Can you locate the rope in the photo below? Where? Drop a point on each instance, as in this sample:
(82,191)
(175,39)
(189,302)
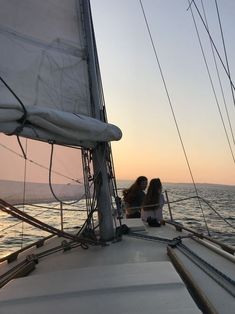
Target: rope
(17,98)
(21,268)
(209,205)
(23,119)
(172,110)
(24,190)
(201,263)
(148,237)
(15,212)
(204,24)
(58,209)
(38,164)
(50,183)
(225,51)
(21,147)
(9,227)
(86,160)
(224,219)
(218,75)
(226,58)
(212,85)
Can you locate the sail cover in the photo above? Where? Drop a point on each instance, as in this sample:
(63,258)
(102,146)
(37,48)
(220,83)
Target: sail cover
(43,59)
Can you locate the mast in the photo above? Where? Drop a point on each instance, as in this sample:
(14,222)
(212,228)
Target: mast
(101,151)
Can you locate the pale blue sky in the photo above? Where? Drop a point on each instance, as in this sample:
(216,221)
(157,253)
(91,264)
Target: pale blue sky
(135,97)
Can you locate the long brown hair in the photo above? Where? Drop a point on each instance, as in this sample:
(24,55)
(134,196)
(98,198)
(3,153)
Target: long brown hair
(153,195)
(130,193)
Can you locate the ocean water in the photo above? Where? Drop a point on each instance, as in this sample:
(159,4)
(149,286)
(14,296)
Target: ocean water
(214,213)
(184,206)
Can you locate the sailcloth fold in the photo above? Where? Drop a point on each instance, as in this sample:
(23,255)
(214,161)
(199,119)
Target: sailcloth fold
(55,125)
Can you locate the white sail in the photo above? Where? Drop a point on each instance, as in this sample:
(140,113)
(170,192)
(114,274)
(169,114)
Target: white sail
(27,181)
(43,59)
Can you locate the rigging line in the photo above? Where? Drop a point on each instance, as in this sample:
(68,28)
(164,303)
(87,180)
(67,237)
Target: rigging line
(224,219)
(50,183)
(212,85)
(95,176)
(21,147)
(172,110)
(87,176)
(17,98)
(24,188)
(217,52)
(90,200)
(56,209)
(89,186)
(190,3)
(225,53)
(6,207)
(11,226)
(40,213)
(208,204)
(218,75)
(36,163)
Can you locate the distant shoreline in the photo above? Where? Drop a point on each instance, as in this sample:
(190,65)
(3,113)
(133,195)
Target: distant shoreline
(184,183)
(15,192)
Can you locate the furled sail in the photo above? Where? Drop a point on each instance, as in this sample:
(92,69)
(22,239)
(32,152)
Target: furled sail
(43,59)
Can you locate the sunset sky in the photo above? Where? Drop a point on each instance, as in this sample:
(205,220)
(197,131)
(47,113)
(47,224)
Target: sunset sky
(137,102)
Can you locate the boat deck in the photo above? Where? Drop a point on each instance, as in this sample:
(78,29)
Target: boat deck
(134,275)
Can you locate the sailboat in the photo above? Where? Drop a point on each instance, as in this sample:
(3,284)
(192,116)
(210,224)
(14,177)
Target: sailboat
(52,98)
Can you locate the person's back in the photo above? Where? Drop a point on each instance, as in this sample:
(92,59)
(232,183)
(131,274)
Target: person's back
(153,204)
(134,196)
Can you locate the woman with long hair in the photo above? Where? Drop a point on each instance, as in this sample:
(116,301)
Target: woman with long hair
(133,197)
(153,203)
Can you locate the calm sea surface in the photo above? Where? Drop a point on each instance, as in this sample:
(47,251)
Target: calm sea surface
(185,208)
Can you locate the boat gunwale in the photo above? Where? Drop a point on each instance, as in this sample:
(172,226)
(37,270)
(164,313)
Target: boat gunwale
(225,247)
(13,256)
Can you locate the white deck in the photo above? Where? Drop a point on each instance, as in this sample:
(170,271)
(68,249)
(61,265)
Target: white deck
(131,276)
(127,288)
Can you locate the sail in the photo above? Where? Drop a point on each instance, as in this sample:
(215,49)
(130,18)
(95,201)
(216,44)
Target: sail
(26,181)
(44,61)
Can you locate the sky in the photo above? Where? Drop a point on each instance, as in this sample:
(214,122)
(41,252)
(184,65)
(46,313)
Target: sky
(137,102)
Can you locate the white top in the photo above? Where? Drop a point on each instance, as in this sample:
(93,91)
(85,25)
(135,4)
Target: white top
(154,213)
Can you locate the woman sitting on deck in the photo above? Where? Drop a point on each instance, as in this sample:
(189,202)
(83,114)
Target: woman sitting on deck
(134,196)
(153,214)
